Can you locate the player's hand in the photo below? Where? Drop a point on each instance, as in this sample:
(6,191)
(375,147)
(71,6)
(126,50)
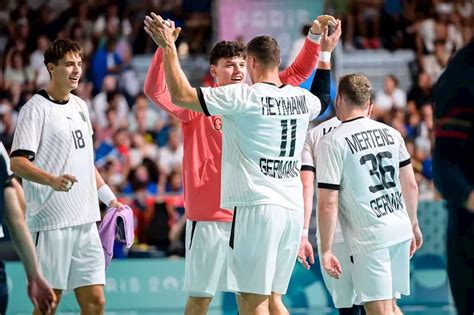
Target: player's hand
(63,182)
(41,294)
(163,32)
(320,22)
(116,204)
(329,42)
(306,252)
(331,265)
(417,240)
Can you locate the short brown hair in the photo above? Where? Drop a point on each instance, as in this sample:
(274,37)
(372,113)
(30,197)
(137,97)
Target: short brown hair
(226,49)
(266,50)
(59,48)
(355,89)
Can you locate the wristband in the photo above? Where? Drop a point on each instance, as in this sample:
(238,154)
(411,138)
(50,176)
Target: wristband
(315,38)
(325,56)
(305,232)
(106,194)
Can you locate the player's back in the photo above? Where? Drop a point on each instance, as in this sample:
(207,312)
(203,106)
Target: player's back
(263,136)
(372,209)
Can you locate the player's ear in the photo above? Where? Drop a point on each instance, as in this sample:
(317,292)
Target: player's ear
(50,67)
(213,71)
(369,110)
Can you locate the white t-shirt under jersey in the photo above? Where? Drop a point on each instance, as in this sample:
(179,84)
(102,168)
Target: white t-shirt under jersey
(362,158)
(57,138)
(4,154)
(264,127)
(308,161)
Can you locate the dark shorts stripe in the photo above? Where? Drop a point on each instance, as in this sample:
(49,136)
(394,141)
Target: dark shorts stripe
(37,238)
(232,229)
(192,233)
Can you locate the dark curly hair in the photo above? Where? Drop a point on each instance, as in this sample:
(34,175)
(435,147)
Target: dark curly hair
(226,49)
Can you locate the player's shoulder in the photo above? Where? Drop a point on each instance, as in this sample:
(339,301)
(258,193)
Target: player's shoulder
(36,102)
(390,129)
(78,100)
(237,86)
(324,127)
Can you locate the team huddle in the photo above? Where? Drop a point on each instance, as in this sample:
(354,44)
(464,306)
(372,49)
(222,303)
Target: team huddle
(248,184)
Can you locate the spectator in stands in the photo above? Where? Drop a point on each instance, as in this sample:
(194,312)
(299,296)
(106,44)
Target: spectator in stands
(171,155)
(41,74)
(104,62)
(343,10)
(438,28)
(143,118)
(7,124)
(109,96)
(420,93)
(17,71)
(434,64)
(143,149)
(162,135)
(391,96)
(368,12)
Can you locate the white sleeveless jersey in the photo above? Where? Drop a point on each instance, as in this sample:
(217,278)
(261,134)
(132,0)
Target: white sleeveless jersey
(308,161)
(264,127)
(362,158)
(57,138)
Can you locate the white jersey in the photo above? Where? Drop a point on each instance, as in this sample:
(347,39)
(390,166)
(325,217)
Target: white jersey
(308,161)
(57,138)
(4,154)
(362,158)
(263,135)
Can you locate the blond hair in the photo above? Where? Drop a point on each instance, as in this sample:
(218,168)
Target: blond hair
(355,89)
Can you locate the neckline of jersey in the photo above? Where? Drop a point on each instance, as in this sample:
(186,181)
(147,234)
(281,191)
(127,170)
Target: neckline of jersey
(352,119)
(270,83)
(45,94)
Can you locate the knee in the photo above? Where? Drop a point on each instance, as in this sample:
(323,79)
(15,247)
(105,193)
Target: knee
(97,302)
(276,306)
(199,303)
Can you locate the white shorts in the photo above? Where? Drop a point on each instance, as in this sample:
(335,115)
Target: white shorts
(342,289)
(383,274)
(207,246)
(263,248)
(71,257)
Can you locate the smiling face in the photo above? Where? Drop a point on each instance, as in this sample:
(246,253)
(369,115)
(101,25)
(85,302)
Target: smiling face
(67,72)
(229,70)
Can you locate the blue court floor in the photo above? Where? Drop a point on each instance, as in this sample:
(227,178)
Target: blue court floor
(408,310)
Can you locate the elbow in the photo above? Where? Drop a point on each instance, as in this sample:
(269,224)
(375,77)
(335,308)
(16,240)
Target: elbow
(15,165)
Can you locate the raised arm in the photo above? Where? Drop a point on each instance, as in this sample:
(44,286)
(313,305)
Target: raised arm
(157,91)
(305,62)
(181,91)
(322,79)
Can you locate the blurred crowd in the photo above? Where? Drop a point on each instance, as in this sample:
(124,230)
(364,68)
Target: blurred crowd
(139,148)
